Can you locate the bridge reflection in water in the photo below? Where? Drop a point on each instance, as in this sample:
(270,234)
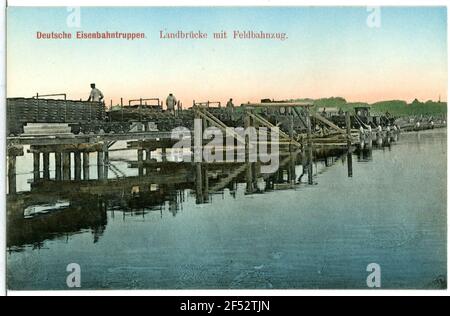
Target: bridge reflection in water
(60,207)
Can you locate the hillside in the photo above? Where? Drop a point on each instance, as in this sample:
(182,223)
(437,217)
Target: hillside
(394,107)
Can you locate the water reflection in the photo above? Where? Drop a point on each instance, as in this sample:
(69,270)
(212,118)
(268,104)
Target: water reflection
(55,209)
(62,217)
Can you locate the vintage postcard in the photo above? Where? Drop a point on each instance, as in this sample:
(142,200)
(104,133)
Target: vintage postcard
(217,147)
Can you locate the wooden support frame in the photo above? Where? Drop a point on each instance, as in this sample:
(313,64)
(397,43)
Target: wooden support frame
(282,134)
(226,181)
(326,122)
(203,113)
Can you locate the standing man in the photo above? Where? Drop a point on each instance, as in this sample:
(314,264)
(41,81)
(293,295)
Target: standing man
(96,95)
(171,101)
(230,105)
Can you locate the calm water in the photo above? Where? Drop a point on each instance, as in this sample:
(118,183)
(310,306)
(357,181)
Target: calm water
(391,212)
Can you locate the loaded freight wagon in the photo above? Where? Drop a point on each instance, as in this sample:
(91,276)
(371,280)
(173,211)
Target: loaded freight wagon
(21,111)
(92,117)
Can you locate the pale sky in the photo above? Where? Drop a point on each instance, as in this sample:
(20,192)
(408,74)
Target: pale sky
(329,52)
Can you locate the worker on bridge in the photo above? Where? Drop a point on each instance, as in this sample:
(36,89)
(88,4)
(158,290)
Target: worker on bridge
(171,102)
(96,95)
(230,105)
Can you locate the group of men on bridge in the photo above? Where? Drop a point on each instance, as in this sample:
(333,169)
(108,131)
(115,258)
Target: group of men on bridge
(171,102)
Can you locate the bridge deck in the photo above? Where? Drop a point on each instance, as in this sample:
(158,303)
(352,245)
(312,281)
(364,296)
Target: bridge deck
(85,139)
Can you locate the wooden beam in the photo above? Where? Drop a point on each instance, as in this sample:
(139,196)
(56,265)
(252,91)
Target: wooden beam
(327,122)
(270,125)
(224,182)
(279,104)
(65,148)
(216,122)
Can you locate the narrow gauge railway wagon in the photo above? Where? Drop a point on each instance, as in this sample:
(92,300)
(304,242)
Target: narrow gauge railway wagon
(362,116)
(21,111)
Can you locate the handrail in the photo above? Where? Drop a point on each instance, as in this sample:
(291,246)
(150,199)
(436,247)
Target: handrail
(278,104)
(142,100)
(37,96)
(207,104)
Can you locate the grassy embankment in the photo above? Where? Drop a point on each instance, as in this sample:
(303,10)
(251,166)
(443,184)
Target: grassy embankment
(394,107)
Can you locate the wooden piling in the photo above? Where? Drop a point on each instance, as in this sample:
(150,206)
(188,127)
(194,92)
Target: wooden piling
(46,160)
(121,106)
(148,155)
(348,125)
(106,159)
(206,184)
(256,169)
(36,166)
(164,154)
(66,166)
(198,139)
(292,173)
(140,158)
(249,171)
(100,160)
(100,164)
(310,166)
(12,182)
(58,166)
(350,164)
(77,159)
(85,165)
(199,183)
(291,131)
(148,158)
(309,149)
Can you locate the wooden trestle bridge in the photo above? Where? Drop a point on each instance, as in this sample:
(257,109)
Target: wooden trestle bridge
(295,124)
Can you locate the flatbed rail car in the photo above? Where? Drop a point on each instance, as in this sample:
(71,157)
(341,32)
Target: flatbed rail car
(90,117)
(362,117)
(21,111)
(84,116)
